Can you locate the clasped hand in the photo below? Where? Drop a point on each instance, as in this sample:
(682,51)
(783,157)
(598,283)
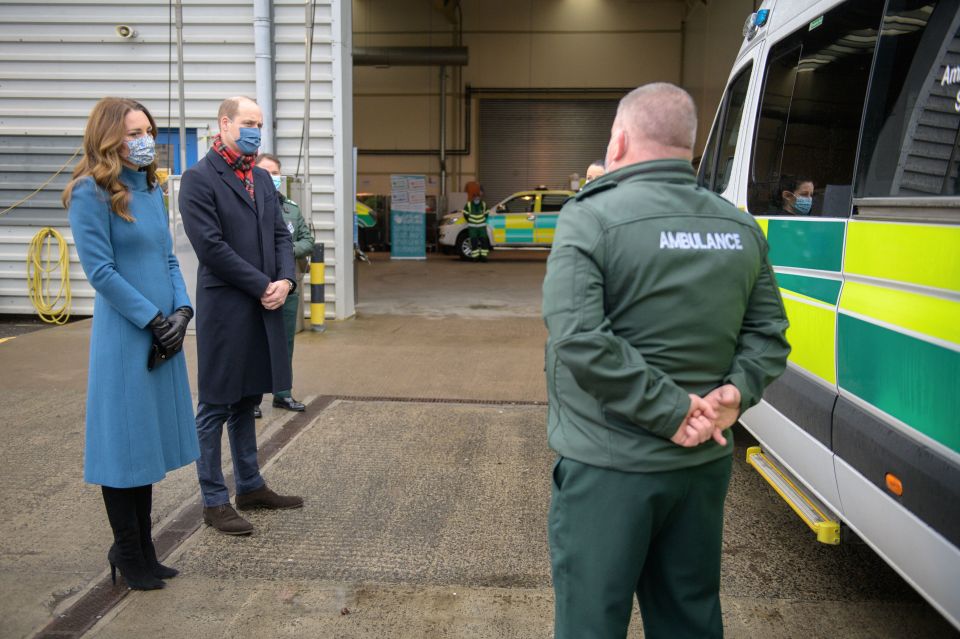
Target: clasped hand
(708,417)
(275,295)
(169,331)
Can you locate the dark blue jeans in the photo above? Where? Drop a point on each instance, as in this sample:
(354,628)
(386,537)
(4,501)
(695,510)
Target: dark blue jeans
(241,431)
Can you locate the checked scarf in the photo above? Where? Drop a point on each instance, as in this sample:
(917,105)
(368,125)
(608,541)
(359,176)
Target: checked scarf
(242,165)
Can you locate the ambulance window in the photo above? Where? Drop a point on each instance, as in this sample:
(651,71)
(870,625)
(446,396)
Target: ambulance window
(910,132)
(708,160)
(731,129)
(716,166)
(552,203)
(518,204)
(810,114)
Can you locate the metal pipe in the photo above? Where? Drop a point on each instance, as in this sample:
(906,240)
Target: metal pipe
(263,56)
(180,90)
(443,139)
(307,204)
(409,56)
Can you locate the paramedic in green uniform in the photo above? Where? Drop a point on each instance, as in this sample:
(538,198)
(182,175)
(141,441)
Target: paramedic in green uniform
(664,322)
(302,248)
(475,214)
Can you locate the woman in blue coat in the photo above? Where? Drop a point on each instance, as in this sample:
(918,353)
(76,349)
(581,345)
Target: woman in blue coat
(140,422)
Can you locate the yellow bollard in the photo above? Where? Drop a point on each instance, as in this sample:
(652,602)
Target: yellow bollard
(317,301)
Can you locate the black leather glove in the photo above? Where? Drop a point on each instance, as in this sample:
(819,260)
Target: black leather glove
(159,326)
(172,339)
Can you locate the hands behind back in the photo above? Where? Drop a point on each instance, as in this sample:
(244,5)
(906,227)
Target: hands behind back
(708,417)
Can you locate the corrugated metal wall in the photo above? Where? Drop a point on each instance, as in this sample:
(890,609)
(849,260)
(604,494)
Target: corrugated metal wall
(529,142)
(58,58)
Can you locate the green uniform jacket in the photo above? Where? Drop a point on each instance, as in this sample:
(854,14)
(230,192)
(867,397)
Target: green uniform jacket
(655,288)
(300,234)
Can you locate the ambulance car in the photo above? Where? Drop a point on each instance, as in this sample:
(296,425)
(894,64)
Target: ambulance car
(525,219)
(839,132)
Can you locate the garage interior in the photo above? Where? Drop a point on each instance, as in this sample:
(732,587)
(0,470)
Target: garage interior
(514,94)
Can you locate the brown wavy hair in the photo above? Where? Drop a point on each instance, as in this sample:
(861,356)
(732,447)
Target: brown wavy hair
(103,139)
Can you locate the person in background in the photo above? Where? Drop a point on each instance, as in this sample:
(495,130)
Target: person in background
(139,421)
(302,248)
(795,195)
(664,322)
(232,216)
(595,170)
(475,213)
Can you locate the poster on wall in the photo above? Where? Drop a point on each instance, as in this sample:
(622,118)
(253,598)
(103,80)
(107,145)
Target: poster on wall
(408,217)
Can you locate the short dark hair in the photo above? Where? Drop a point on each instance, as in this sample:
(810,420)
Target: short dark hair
(229,107)
(269,156)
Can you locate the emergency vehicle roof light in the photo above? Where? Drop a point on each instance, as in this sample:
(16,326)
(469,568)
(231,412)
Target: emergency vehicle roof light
(754,22)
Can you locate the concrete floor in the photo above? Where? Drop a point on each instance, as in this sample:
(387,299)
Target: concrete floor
(423,519)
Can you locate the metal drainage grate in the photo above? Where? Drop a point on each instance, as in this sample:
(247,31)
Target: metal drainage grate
(104,596)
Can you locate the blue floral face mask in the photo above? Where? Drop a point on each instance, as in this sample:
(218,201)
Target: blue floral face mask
(803,204)
(142,150)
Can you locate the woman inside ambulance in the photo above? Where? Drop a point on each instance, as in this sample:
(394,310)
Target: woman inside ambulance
(795,195)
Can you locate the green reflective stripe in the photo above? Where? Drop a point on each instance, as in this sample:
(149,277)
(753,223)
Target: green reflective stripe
(824,290)
(547,221)
(806,244)
(913,380)
(924,254)
(519,235)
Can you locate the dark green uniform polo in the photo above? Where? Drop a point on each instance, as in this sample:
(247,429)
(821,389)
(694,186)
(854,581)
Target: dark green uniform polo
(655,288)
(302,247)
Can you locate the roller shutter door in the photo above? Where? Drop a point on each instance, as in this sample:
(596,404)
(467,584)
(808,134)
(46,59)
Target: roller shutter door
(529,142)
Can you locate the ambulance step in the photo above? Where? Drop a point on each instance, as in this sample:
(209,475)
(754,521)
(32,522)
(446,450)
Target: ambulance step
(812,512)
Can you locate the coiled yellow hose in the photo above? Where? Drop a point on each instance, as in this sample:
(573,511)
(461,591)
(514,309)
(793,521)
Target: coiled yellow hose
(41,268)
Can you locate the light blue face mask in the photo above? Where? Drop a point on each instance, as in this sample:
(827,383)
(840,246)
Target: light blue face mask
(142,150)
(277,181)
(249,140)
(803,204)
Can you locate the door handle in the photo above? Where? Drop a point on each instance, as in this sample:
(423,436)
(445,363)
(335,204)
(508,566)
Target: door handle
(532,217)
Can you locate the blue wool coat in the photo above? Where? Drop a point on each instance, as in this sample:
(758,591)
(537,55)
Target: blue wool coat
(139,423)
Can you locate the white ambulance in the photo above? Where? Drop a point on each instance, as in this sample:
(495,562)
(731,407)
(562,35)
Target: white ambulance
(840,132)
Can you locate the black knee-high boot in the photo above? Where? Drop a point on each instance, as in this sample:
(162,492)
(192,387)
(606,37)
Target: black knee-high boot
(126,553)
(144,500)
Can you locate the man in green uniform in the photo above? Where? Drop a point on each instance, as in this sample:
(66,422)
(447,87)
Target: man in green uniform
(665,322)
(302,247)
(475,214)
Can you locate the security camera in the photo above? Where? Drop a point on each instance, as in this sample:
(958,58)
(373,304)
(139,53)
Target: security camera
(124,31)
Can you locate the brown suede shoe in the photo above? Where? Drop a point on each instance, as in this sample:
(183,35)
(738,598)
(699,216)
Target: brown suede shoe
(225,519)
(266,498)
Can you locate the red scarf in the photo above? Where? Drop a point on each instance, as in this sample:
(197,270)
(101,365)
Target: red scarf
(242,165)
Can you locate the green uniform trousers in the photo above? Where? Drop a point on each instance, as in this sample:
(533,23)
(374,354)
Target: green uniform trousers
(479,241)
(290,316)
(614,533)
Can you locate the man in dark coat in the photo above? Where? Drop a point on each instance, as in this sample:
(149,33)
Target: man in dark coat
(233,219)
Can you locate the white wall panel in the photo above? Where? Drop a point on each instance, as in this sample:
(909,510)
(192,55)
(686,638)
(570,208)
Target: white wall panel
(58,58)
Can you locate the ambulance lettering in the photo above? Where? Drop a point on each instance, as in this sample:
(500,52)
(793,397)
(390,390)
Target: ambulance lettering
(951,75)
(688,240)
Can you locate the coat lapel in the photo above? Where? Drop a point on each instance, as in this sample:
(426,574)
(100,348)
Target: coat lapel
(228,176)
(258,193)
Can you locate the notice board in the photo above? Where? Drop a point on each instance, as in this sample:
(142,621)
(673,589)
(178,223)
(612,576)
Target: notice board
(408,217)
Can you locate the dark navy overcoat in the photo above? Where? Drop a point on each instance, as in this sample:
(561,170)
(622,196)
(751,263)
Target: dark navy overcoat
(242,244)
